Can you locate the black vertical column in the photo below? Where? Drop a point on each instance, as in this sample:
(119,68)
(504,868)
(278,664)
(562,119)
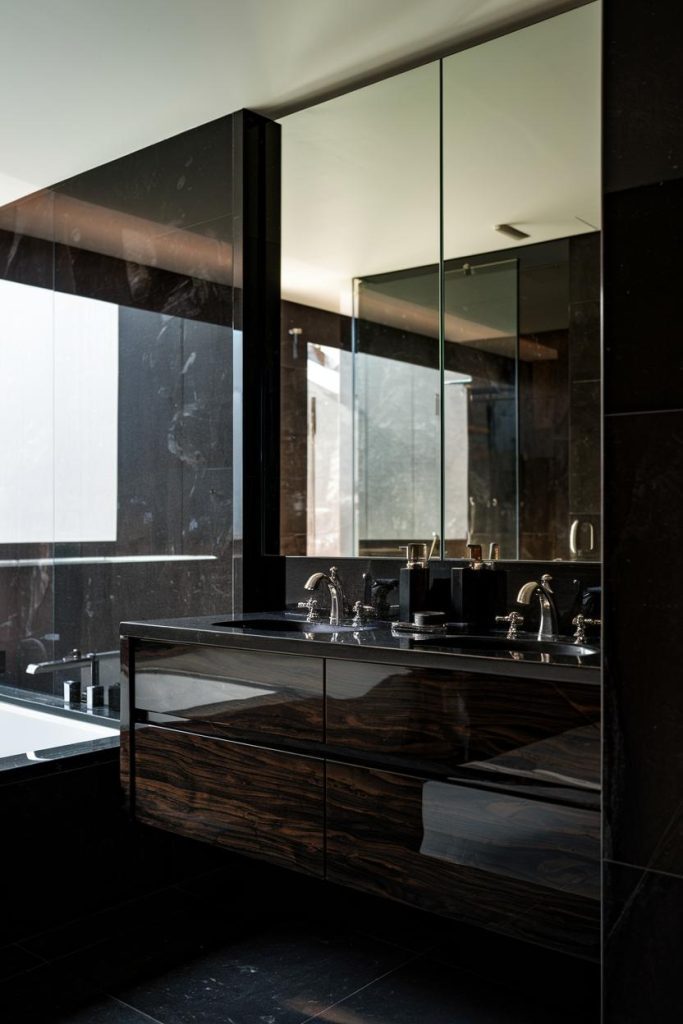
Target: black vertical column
(258,571)
(643,511)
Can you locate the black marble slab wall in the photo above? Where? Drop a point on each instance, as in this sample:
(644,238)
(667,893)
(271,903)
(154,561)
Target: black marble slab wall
(182,240)
(643,474)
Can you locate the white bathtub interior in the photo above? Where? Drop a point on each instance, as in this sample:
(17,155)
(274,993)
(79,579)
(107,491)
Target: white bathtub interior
(25,730)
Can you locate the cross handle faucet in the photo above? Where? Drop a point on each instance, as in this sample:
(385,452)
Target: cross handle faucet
(337,596)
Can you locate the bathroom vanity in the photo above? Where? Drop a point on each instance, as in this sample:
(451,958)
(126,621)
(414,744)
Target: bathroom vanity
(463,782)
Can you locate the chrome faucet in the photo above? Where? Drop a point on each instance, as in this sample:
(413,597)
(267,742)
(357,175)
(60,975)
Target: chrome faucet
(337,595)
(548,628)
(90,661)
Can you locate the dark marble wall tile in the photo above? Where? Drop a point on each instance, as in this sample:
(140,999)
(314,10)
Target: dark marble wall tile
(324,328)
(27,619)
(151,455)
(182,181)
(207,508)
(25,260)
(643,946)
(584,452)
(92,601)
(319,326)
(643,86)
(26,240)
(584,268)
(145,285)
(584,342)
(207,393)
(544,451)
(643,354)
(643,610)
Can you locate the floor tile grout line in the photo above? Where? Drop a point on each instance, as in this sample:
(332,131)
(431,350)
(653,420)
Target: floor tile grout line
(122,1002)
(361,988)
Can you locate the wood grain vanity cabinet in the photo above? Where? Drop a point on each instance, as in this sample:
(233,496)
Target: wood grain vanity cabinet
(461,791)
(242,695)
(202,734)
(253,800)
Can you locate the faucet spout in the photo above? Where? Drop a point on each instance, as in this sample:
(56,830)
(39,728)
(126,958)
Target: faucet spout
(73,660)
(337,595)
(548,627)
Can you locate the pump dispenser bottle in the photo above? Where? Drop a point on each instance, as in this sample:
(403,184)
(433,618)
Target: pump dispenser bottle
(413,582)
(477,590)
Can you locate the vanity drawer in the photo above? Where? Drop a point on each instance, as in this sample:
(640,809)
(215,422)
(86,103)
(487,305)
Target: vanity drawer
(487,858)
(446,721)
(256,801)
(242,695)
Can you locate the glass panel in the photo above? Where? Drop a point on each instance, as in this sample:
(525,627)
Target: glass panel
(360,200)
(480,407)
(27,423)
(328,377)
(398,409)
(521,180)
(115,330)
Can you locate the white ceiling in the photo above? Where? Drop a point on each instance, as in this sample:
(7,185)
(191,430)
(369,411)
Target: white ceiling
(521,146)
(85,81)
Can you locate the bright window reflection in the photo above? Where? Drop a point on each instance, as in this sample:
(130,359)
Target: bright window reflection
(58,417)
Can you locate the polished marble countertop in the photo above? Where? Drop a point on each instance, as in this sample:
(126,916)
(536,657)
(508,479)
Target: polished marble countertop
(375,642)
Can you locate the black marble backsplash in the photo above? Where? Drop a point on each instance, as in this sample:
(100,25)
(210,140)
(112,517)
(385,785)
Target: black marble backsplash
(570,581)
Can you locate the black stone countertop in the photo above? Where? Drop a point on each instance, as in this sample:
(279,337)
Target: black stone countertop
(375,643)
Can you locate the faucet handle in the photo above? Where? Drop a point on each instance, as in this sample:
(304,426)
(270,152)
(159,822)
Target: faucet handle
(360,612)
(514,619)
(580,621)
(312,606)
(546,580)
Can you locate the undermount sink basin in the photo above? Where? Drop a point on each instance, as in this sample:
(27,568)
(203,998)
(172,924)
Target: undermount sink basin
(290,626)
(487,644)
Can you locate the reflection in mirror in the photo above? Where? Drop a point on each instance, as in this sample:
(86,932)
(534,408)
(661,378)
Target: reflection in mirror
(397,403)
(480,406)
(440,348)
(360,188)
(521,168)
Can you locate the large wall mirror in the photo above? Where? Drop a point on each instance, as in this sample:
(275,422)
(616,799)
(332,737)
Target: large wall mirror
(440,314)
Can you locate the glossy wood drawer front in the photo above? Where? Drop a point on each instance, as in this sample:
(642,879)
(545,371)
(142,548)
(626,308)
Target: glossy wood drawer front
(421,719)
(515,865)
(242,695)
(256,801)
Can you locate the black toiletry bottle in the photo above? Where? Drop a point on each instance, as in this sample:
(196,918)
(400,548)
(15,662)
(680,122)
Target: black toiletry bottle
(413,585)
(477,591)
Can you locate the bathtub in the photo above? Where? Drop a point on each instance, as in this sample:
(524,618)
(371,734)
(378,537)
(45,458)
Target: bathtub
(39,734)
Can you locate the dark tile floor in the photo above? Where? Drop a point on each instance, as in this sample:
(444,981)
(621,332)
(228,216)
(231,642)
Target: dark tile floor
(260,946)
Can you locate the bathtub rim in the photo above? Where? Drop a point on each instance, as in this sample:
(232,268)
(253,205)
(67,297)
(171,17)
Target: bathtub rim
(68,757)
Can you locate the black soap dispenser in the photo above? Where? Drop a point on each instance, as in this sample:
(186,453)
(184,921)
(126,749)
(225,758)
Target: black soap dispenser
(477,591)
(413,586)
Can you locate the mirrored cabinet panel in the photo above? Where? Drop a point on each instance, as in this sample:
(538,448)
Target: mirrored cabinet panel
(440,313)
(360,186)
